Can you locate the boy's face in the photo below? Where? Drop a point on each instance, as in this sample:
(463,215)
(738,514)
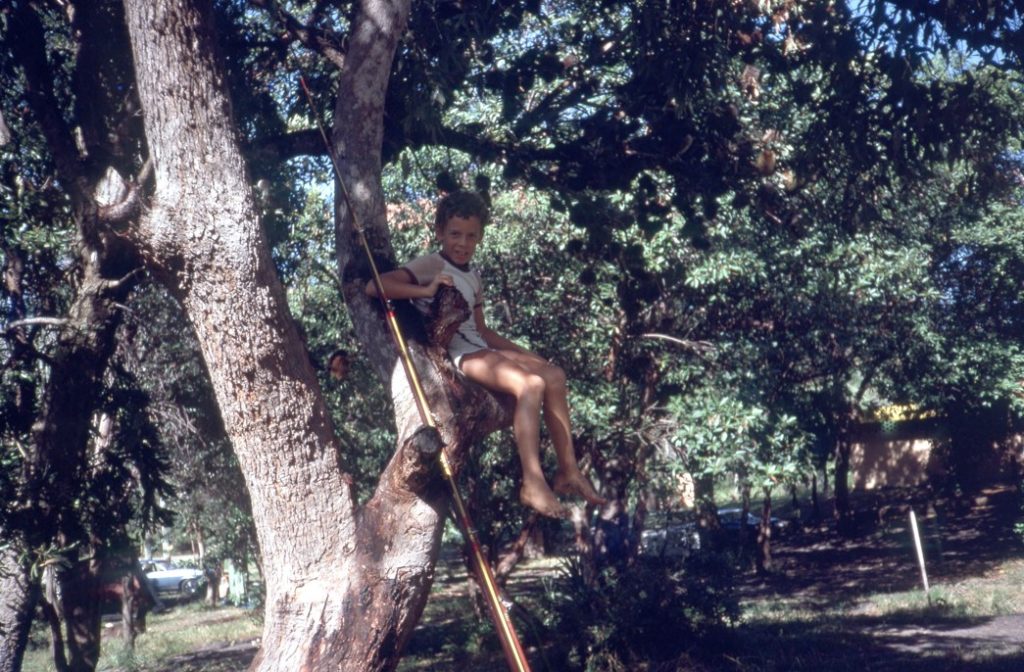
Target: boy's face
(460,237)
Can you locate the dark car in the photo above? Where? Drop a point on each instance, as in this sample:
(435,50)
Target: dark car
(669,535)
(730,518)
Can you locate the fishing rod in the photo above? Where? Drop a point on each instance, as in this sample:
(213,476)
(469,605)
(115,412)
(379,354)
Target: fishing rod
(514,654)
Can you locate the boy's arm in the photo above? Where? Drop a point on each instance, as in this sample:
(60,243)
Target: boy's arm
(400,284)
(492,338)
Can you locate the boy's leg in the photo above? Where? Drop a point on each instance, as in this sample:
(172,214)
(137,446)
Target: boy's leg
(569,480)
(496,372)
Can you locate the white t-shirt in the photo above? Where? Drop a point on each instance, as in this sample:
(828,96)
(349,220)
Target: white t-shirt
(467,280)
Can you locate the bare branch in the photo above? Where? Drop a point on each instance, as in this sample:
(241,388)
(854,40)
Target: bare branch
(699,347)
(29,52)
(30,321)
(114,284)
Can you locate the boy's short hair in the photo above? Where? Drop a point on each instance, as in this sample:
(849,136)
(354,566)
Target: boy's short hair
(461,204)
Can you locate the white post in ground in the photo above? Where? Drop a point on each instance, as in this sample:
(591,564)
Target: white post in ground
(920,551)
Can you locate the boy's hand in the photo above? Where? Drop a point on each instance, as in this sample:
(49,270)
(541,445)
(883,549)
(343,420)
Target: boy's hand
(439,279)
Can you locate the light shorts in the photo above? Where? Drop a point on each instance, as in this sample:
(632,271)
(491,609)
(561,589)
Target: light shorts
(459,348)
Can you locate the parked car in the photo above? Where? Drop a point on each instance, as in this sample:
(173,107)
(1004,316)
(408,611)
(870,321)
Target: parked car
(729,519)
(669,536)
(165,577)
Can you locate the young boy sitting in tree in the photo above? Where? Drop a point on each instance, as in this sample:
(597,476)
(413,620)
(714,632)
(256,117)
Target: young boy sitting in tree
(493,361)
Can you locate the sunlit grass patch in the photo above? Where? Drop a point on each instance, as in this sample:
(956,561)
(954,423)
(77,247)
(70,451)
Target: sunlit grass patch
(1000,592)
(178,631)
(186,629)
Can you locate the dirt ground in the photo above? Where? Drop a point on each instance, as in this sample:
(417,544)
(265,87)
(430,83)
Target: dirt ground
(818,574)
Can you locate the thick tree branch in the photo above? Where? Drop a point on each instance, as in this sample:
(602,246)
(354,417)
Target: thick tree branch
(357,134)
(549,168)
(511,556)
(287,146)
(546,107)
(130,206)
(419,461)
(29,51)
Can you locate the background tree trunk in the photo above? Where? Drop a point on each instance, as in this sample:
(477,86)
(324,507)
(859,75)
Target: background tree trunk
(844,513)
(80,587)
(128,610)
(60,434)
(764,535)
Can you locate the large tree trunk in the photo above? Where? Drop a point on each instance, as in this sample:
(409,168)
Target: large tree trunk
(206,245)
(17,589)
(344,588)
(707,510)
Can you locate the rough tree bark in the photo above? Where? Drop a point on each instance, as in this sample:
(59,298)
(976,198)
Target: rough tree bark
(345,587)
(19,594)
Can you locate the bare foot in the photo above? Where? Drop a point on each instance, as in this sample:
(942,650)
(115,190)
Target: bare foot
(540,498)
(577,485)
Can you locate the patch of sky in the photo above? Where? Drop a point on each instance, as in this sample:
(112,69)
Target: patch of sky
(889,26)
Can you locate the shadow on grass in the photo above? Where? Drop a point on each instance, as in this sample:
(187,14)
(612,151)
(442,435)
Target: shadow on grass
(921,641)
(227,658)
(820,569)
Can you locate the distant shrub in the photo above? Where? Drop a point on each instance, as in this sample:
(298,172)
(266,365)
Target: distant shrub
(640,616)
